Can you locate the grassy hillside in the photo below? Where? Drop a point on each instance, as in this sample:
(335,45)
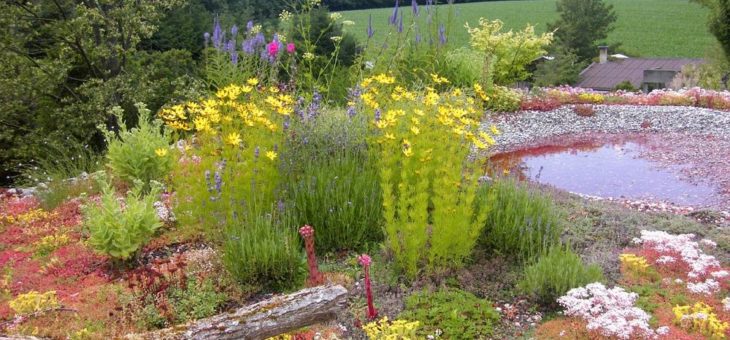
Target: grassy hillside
(649,28)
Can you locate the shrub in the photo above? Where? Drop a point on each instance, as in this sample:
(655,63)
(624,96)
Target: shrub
(521,221)
(262,250)
(625,86)
(557,272)
(141,153)
(232,162)
(503,99)
(120,229)
(457,314)
(340,197)
(429,182)
(584,110)
(463,66)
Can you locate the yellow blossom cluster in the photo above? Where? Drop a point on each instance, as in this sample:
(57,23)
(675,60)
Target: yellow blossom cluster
(50,243)
(700,318)
(593,98)
(633,263)
(239,105)
(34,302)
(28,217)
(411,113)
(391,330)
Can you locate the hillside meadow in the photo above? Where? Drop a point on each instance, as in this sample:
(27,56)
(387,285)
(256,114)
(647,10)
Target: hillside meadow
(647,28)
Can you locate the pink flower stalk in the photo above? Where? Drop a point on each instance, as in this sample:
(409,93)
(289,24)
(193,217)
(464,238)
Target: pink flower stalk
(273,48)
(290,48)
(365,261)
(315,277)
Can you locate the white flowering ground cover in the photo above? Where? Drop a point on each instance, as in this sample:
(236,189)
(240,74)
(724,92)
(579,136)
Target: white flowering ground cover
(671,287)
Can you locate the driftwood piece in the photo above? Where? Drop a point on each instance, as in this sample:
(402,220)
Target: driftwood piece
(264,319)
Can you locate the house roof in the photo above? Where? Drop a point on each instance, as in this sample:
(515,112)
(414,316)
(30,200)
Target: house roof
(607,75)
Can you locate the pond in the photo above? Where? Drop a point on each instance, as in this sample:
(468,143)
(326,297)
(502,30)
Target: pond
(607,167)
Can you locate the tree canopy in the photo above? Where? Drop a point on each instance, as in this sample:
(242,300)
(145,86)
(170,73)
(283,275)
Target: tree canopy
(582,25)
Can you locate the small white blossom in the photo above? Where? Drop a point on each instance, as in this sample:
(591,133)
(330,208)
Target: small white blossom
(726,304)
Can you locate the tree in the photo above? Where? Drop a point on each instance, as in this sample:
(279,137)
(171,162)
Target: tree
(563,69)
(719,22)
(507,54)
(67,62)
(582,24)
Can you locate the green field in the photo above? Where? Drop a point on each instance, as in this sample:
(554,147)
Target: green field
(648,28)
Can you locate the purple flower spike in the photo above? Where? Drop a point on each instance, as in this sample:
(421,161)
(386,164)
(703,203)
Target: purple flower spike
(371,31)
(394,17)
(234,31)
(206,38)
(442,34)
(414,7)
(217,34)
(400,23)
(249,26)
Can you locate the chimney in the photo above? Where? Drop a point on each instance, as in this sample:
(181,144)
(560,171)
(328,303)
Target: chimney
(602,54)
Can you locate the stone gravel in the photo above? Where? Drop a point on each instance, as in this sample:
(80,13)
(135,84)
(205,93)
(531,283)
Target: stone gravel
(527,126)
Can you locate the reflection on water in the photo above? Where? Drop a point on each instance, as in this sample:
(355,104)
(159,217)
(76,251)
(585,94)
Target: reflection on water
(604,169)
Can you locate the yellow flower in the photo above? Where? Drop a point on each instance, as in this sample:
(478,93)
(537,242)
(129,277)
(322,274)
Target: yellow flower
(494,130)
(415,130)
(161,152)
(271,155)
(252,81)
(233,139)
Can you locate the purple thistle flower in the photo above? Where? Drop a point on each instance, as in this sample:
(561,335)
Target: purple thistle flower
(234,31)
(394,17)
(371,31)
(249,26)
(442,34)
(414,7)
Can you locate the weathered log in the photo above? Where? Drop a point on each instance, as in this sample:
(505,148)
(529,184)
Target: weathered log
(278,315)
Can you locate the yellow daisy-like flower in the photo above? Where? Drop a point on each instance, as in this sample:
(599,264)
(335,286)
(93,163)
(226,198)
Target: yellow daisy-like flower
(252,81)
(271,155)
(233,138)
(161,152)
(415,130)
(494,130)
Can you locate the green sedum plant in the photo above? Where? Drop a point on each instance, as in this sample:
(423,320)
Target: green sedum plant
(119,228)
(456,313)
(555,273)
(140,153)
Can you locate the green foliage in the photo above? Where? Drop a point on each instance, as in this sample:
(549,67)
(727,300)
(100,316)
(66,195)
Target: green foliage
(60,75)
(625,85)
(564,69)
(555,273)
(583,24)
(340,197)
(521,221)
(463,66)
(325,51)
(195,299)
(120,229)
(332,185)
(262,250)
(507,54)
(140,153)
(503,99)
(432,212)
(458,314)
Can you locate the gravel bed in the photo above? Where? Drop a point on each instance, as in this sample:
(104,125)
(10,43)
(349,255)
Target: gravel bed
(527,126)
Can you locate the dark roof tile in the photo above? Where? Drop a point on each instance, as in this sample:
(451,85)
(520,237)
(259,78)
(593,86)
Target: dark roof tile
(608,75)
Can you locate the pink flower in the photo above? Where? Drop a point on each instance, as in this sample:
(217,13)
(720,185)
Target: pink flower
(364,260)
(273,48)
(306,230)
(290,48)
